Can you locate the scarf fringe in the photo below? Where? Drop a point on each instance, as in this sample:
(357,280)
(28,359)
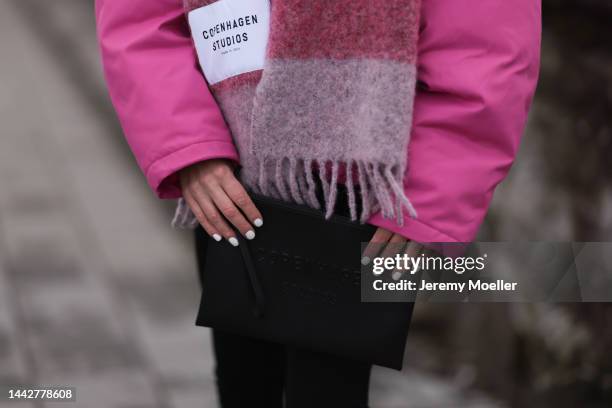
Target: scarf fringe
(293,180)
(183,217)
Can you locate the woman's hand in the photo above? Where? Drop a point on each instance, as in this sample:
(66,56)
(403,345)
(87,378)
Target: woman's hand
(385,243)
(216,197)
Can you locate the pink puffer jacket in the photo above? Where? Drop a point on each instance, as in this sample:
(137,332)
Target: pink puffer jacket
(477,71)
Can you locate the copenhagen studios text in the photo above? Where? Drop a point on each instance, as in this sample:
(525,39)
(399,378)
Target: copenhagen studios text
(229,25)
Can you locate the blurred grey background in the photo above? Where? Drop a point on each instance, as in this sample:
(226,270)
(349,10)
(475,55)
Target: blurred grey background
(98,292)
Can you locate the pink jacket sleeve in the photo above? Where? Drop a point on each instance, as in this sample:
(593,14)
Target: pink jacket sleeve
(168,115)
(478,68)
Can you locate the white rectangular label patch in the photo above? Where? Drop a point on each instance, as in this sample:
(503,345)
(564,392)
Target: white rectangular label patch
(230,37)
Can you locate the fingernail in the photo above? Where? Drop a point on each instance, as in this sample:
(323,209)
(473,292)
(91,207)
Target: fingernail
(217,237)
(396,275)
(250,234)
(233,241)
(365,260)
(258,222)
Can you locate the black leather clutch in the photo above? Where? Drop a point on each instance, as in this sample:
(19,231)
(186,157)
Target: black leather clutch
(298,283)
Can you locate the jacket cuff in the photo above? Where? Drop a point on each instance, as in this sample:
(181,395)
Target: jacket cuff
(162,174)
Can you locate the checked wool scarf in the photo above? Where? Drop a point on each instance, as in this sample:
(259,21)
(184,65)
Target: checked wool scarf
(333,101)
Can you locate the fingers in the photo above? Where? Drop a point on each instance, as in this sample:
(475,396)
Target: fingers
(412,249)
(377,242)
(214,217)
(236,192)
(201,217)
(229,210)
(386,244)
(395,245)
(217,219)
(219,201)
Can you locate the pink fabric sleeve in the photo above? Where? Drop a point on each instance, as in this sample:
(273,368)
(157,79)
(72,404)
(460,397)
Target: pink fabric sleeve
(477,71)
(168,115)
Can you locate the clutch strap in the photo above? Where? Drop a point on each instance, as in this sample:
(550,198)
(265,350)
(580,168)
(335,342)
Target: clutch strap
(258,294)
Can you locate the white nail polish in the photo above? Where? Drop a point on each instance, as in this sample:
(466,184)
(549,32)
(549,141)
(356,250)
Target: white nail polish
(217,237)
(258,222)
(365,260)
(250,234)
(233,241)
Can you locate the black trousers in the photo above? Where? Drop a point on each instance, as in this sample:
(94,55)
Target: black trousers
(255,373)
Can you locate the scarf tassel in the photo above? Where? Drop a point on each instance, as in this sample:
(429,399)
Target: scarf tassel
(293,180)
(379,186)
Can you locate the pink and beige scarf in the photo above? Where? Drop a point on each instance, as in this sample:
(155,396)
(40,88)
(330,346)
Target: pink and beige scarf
(334,100)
